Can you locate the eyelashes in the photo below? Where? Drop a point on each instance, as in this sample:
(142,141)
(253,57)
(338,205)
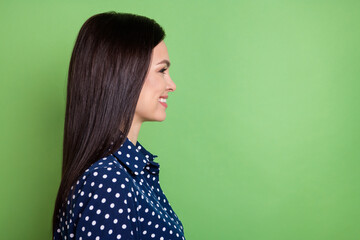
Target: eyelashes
(163,70)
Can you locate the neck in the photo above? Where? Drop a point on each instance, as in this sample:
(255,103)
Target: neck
(134,131)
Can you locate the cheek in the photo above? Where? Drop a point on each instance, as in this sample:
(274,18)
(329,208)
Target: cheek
(154,87)
(149,96)
(148,106)
(156,84)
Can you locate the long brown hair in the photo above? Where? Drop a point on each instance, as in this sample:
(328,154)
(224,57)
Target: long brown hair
(108,66)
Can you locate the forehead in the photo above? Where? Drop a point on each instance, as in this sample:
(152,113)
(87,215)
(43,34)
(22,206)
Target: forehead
(160,52)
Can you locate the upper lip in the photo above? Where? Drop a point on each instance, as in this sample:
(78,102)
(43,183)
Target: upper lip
(163,97)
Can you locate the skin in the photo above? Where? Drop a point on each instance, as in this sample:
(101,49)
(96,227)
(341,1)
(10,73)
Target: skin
(157,83)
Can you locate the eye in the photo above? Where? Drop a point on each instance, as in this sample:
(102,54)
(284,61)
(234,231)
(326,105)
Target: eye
(163,70)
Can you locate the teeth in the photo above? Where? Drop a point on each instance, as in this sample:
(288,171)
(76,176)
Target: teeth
(162,100)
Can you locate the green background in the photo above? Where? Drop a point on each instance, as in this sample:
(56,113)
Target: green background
(262,136)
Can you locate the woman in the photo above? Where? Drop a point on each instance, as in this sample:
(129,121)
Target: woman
(118,79)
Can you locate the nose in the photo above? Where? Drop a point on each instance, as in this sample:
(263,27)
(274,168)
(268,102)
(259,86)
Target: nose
(171,86)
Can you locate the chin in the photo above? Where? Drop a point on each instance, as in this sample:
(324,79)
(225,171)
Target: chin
(158,118)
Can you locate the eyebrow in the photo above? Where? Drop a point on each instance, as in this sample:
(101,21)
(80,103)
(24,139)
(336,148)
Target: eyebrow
(164,61)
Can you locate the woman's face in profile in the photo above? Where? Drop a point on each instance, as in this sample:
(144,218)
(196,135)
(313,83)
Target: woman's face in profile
(152,104)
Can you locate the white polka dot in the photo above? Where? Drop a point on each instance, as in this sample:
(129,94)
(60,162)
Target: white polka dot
(110,231)
(107,216)
(124,226)
(104,176)
(89,234)
(113,180)
(93,223)
(102,227)
(95,174)
(120,211)
(118,236)
(117,195)
(108,190)
(122,185)
(153,235)
(127,155)
(98,211)
(112,205)
(103,200)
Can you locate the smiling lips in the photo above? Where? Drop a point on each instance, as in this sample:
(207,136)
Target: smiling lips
(162,100)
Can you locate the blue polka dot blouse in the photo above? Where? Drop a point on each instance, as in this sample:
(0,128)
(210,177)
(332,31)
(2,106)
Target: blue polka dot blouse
(119,197)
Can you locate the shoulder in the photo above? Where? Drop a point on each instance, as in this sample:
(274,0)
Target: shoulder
(108,165)
(105,177)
